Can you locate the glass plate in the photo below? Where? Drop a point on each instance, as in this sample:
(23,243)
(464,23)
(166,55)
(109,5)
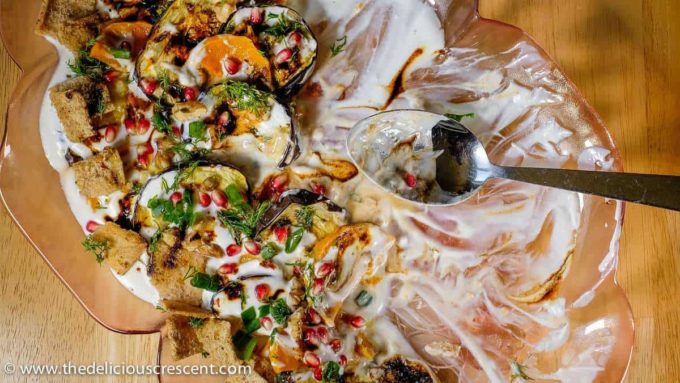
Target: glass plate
(598,309)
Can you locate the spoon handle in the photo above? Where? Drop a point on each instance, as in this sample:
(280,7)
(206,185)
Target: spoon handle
(647,189)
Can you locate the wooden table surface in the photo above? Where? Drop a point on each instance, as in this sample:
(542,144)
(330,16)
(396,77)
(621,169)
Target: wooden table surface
(624,55)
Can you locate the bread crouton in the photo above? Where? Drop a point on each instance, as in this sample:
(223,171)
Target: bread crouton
(124,246)
(72,22)
(170,266)
(80,103)
(100,175)
(181,308)
(182,337)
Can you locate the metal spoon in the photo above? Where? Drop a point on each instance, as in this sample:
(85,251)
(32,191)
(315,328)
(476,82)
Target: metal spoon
(454,164)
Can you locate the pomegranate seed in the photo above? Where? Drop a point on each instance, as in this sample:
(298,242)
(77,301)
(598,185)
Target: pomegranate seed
(284,55)
(281,233)
(312,360)
(356,321)
(279,183)
(310,337)
(190,94)
(110,76)
(410,180)
(336,345)
(256,15)
(177,131)
(145,148)
(224,119)
(228,268)
(324,336)
(297,271)
(149,86)
(342,361)
(233,249)
(252,247)
(266,323)
(111,133)
(144,159)
(130,125)
(318,374)
(318,188)
(233,65)
(176,197)
(294,39)
(219,197)
(319,285)
(325,269)
(91,226)
(262,291)
(204,199)
(143,125)
(313,316)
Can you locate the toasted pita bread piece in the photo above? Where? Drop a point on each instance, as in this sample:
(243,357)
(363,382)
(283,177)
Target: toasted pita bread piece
(100,175)
(72,22)
(125,246)
(80,104)
(182,337)
(170,266)
(184,309)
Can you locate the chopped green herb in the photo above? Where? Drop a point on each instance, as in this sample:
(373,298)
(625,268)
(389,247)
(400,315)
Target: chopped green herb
(245,344)
(197,130)
(280,311)
(164,185)
(243,96)
(294,239)
(331,372)
(283,26)
(363,299)
(86,65)
(205,281)
(180,213)
(160,308)
(136,188)
(196,322)
(459,117)
(264,311)
(339,46)
(101,105)
(96,247)
(241,218)
(518,373)
(269,251)
(153,241)
(305,217)
(120,53)
(205,354)
(161,123)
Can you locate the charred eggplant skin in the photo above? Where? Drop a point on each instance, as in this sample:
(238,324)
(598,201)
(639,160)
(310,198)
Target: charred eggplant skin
(293,84)
(294,196)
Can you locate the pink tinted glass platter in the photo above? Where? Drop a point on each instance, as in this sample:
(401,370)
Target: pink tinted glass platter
(478,49)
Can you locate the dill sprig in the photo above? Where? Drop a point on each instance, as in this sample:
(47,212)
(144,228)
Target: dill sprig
(243,96)
(86,65)
(96,247)
(241,218)
(338,46)
(283,26)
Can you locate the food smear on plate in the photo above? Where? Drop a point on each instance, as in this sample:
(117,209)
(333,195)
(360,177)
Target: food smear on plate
(206,165)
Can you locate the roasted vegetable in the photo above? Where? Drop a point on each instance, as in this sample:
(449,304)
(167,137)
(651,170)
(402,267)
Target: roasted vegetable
(284,37)
(119,44)
(185,24)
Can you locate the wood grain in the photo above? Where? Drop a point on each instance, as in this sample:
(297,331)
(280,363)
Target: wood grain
(623,56)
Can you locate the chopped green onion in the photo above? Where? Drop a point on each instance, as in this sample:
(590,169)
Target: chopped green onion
(363,299)
(294,240)
(205,281)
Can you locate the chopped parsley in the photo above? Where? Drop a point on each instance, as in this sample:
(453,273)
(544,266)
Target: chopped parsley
(339,46)
(331,372)
(243,96)
(196,322)
(161,123)
(518,373)
(96,247)
(180,213)
(86,65)
(269,251)
(280,311)
(459,117)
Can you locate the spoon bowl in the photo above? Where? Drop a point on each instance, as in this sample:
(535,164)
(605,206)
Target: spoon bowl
(432,159)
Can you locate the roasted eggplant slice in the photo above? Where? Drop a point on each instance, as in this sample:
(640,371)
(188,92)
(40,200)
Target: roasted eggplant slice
(285,38)
(185,24)
(293,205)
(249,127)
(187,197)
